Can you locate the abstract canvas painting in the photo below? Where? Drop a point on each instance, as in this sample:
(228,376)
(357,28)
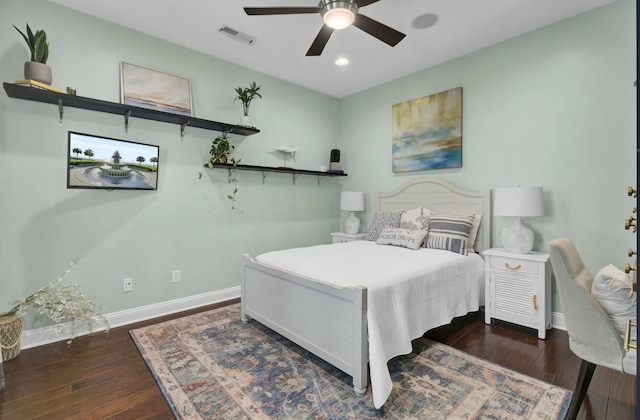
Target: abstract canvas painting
(152,89)
(427,132)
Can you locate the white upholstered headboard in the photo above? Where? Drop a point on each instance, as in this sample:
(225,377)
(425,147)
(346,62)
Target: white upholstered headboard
(443,197)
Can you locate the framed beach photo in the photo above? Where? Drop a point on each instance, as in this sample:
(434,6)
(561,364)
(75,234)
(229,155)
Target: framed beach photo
(146,88)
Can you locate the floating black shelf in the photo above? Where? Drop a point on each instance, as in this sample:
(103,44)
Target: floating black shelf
(267,169)
(63,99)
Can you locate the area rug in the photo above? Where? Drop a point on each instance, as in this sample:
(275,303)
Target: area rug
(210,365)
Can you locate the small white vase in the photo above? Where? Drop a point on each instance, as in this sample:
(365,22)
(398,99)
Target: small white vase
(246,122)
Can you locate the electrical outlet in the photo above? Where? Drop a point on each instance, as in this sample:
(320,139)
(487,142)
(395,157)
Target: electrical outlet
(127,284)
(175,276)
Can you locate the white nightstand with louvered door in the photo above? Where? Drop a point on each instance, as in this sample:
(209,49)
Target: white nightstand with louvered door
(518,288)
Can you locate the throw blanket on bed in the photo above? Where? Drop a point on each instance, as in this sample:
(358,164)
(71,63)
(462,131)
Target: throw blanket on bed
(408,291)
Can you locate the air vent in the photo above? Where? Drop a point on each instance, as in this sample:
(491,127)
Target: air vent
(237,35)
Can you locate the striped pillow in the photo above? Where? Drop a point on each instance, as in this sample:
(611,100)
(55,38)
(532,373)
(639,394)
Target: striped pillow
(449,232)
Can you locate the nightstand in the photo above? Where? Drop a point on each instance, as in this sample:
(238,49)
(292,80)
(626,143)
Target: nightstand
(338,237)
(518,288)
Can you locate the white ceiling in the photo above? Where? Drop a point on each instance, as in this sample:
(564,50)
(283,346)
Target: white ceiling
(282,41)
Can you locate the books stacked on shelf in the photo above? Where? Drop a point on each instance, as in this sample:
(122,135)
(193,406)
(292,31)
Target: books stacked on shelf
(36,84)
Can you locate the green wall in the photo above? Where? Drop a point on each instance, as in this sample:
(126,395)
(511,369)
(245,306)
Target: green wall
(552,108)
(187,224)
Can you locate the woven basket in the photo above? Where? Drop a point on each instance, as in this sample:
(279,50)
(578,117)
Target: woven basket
(10,332)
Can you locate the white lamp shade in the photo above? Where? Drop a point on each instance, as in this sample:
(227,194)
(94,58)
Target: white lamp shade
(352,201)
(518,201)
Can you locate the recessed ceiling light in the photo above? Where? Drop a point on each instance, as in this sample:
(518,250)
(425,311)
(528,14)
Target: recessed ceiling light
(425,21)
(342,61)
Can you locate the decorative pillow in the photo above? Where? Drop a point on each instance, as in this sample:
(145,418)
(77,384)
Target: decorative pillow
(449,232)
(416,211)
(382,220)
(474,232)
(414,221)
(612,288)
(406,238)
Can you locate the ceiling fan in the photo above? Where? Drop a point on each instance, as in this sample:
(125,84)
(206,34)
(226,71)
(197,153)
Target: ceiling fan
(336,15)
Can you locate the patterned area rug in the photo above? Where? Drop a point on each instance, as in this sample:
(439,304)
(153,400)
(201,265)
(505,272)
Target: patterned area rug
(211,365)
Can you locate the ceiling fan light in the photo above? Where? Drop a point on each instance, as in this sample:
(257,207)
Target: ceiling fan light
(338,14)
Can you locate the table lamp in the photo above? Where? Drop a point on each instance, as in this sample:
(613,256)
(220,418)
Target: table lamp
(351,201)
(518,202)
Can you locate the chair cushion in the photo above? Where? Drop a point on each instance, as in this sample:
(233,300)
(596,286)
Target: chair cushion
(612,288)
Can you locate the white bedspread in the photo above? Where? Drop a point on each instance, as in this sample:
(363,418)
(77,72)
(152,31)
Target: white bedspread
(408,292)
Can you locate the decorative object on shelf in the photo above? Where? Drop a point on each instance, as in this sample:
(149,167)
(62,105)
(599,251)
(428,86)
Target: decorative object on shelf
(286,151)
(246,95)
(153,89)
(427,132)
(518,202)
(37,68)
(334,160)
(35,84)
(351,201)
(59,303)
(220,149)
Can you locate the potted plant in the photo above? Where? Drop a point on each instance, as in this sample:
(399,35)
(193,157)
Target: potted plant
(56,301)
(220,150)
(334,160)
(221,153)
(246,95)
(37,68)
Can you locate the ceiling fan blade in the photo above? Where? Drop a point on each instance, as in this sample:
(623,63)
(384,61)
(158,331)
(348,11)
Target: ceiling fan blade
(362,3)
(252,11)
(376,29)
(321,40)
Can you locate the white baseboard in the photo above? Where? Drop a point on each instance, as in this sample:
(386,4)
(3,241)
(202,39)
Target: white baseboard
(47,335)
(557,321)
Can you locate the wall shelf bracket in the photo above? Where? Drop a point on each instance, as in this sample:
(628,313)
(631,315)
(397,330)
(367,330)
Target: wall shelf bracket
(126,121)
(264,176)
(182,127)
(60,109)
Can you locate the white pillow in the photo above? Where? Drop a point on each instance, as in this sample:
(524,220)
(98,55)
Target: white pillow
(406,238)
(414,221)
(417,211)
(612,288)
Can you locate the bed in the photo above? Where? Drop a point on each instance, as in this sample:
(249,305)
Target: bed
(324,299)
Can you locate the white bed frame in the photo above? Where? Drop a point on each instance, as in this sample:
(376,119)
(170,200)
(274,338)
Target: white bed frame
(331,321)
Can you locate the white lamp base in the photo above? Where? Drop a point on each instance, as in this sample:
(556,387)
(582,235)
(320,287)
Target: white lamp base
(517,238)
(351,224)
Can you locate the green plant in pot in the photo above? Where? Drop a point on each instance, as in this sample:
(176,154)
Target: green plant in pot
(37,69)
(246,95)
(334,160)
(220,152)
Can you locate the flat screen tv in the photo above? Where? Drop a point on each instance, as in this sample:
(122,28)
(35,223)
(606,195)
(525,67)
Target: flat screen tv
(97,162)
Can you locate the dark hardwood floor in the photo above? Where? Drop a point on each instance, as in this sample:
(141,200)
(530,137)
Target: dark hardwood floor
(106,378)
